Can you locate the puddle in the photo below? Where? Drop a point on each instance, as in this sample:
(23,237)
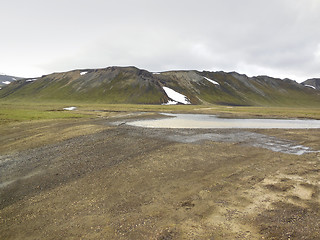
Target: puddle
(246,138)
(187,122)
(212,121)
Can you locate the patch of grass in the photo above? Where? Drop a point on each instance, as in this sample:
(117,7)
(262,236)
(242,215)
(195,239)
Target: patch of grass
(28,112)
(31,110)
(272,112)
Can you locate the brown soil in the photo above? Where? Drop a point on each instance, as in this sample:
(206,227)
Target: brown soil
(87,179)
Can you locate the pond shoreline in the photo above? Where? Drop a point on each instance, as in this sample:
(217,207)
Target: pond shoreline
(213,121)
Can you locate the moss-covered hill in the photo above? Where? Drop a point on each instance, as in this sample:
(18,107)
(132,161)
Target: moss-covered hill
(133,85)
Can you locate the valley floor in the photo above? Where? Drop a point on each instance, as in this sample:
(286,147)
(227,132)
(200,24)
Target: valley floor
(90,179)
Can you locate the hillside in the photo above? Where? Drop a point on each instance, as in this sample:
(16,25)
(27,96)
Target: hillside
(133,85)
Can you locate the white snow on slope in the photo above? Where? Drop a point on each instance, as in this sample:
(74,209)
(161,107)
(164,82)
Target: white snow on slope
(70,108)
(156,73)
(214,82)
(31,80)
(175,96)
(83,73)
(14,79)
(310,86)
(170,102)
(6,82)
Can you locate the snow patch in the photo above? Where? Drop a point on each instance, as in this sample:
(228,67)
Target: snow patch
(170,103)
(14,79)
(83,73)
(175,96)
(6,82)
(212,81)
(156,73)
(310,86)
(70,108)
(31,80)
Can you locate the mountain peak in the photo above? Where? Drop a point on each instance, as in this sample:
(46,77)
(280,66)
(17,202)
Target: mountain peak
(313,83)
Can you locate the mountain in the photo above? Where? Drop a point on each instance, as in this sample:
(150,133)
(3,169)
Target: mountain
(312,83)
(133,85)
(5,79)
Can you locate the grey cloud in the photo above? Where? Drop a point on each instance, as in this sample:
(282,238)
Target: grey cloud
(276,36)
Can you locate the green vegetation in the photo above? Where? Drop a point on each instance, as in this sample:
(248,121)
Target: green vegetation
(117,91)
(27,111)
(17,112)
(265,112)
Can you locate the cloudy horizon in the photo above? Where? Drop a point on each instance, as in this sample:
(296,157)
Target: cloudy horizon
(279,38)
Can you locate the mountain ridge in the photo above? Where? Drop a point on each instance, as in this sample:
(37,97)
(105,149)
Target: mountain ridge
(133,85)
(7,79)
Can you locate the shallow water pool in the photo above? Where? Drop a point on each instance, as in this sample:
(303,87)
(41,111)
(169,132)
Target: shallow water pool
(212,121)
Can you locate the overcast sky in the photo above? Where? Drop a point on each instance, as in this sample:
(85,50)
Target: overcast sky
(279,38)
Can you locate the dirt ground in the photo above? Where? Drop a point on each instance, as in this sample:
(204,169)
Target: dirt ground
(89,179)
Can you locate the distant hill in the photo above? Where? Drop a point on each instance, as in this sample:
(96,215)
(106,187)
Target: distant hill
(133,85)
(313,83)
(5,79)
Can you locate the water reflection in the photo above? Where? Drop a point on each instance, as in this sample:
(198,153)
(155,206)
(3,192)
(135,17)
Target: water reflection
(211,121)
(187,122)
(246,138)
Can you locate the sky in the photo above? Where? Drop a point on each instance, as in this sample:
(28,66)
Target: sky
(279,38)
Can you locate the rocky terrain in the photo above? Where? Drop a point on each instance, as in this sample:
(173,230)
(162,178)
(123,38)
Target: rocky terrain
(5,80)
(101,179)
(313,83)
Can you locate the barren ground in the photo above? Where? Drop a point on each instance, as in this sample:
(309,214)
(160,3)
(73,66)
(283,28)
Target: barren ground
(87,179)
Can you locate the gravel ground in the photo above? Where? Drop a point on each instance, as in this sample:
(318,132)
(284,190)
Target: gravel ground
(89,179)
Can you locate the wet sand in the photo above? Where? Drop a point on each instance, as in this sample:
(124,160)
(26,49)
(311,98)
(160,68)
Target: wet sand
(90,179)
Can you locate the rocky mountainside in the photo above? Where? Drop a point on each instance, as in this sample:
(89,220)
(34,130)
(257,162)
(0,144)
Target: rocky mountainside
(133,85)
(5,79)
(312,83)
